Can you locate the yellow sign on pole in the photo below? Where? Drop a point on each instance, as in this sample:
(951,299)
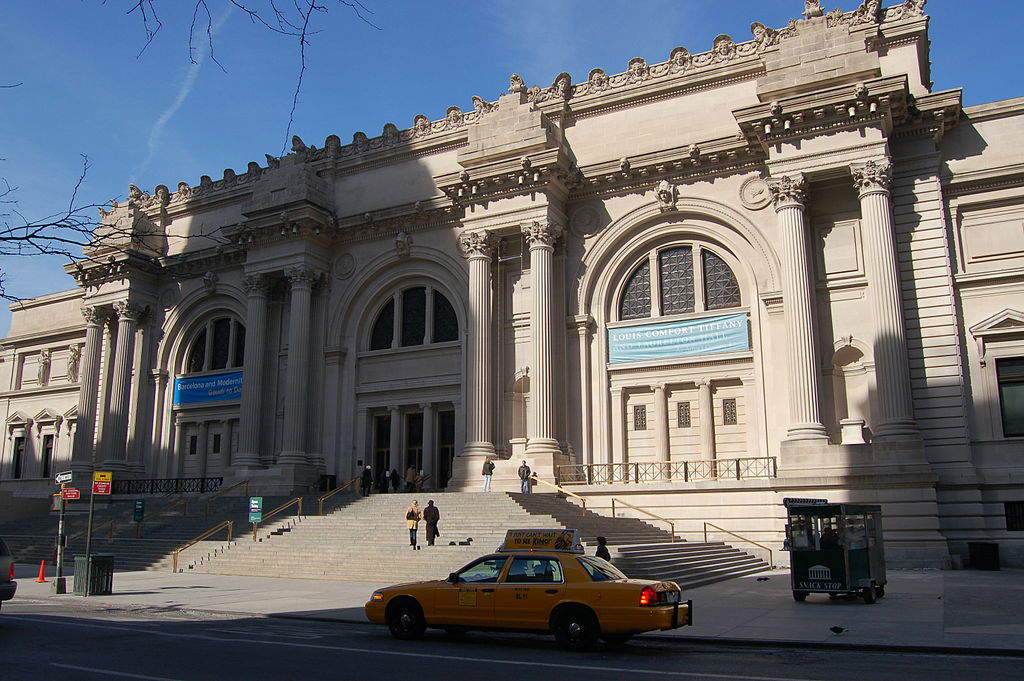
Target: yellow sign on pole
(542,540)
(102,476)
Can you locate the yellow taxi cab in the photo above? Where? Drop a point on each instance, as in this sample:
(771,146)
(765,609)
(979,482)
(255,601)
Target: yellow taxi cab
(541,581)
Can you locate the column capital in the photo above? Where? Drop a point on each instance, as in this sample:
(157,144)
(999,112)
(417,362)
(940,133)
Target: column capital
(256,284)
(703,382)
(874,176)
(94,315)
(583,323)
(477,244)
(541,233)
(425,406)
(788,190)
(659,387)
(129,311)
(301,276)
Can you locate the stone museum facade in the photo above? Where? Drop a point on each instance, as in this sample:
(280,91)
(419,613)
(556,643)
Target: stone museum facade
(779,267)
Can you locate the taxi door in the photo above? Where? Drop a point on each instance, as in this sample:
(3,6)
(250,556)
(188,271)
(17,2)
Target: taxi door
(529,591)
(469,602)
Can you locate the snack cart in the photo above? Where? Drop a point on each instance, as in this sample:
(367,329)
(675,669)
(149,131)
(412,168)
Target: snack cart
(835,549)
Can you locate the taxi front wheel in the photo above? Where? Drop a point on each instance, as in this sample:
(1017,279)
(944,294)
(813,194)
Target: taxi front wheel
(576,629)
(405,620)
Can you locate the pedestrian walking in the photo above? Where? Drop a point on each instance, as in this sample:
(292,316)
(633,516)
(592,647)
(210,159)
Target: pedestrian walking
(602,549)
(524,478)
(488,472)
(410,478)
(396,482)
(382,480)
(430,516)
(366,481)
(412,521)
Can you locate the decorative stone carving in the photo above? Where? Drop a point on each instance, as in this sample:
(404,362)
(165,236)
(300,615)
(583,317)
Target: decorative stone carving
(344,266)
(724,48)
(680,59)
(453,117)
(129,310)
(516,84)
(637,70)
(788,189)
(210,280)
(390,136)
(585,221)
(169,298)
(869,12)
(666,195)
(403,244)
(359,142)
(184,192)
(298,146)
(482,106)
(74,362)
(421,124)
(477,243)
(301,275)
(755,193)
(43,368)
(256,284)
(93,314)
(764,37)
(272,161)
(598,80)
(813,8)
(539,234)
(872,176)
(562,87)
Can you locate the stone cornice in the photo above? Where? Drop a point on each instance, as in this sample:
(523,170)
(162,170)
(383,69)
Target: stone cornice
(988,179)
(932,115)
(410,218)
(117,265)
(548,170)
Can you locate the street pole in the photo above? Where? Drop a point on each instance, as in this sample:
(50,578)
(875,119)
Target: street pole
(88,542)
(59,586)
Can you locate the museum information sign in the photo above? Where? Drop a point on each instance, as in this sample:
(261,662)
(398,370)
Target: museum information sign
(709,335)
(208,388)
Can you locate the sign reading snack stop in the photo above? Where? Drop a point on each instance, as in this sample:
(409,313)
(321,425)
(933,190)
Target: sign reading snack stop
(542,540)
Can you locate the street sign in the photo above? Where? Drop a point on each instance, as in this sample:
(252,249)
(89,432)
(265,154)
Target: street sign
(64,477)
(101,487)
(139,510)
(102,476)
(70,494)
(255,509)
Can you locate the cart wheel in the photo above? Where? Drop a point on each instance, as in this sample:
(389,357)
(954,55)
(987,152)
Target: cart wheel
(880,591)
(799,596)
(869,595)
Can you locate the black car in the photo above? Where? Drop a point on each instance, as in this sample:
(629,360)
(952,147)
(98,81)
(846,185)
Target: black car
(7,584)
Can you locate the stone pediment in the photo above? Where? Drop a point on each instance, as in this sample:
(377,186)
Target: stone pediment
(1002,324)
(47,416)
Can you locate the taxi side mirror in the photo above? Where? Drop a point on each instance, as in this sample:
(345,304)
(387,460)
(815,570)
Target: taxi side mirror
(453,578)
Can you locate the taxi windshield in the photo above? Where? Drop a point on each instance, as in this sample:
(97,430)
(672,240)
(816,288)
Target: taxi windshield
(599,569)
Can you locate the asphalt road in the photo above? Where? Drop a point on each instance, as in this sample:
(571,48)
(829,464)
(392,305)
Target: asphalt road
(44,640)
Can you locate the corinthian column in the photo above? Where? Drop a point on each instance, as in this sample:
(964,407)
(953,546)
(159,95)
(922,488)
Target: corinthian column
(661,440)
(894,406)
(478,248)
(128,315)
(256,289)
(706,416)
(293,450)
(541,237)
(788,192)
(82,452)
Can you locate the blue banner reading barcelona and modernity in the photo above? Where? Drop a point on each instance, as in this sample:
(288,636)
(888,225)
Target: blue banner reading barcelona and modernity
(730,333)
(208,388)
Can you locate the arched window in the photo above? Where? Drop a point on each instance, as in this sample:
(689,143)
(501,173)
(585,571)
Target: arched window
(424,316)
(219,344)
(683,287)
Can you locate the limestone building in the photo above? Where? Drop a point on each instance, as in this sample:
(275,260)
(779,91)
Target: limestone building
(781,267)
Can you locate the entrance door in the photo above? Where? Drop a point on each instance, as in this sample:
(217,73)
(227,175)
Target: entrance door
(381,443)
(445,446)
(414,440)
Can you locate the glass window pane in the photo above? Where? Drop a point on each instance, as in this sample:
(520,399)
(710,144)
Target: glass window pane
(446,324)
(721,289)
(239,345)
(383,328)
(676,265)
(599,569)
(197,353)
(636,297)
(484,570)
(221,343)
(535,570)
(414,316)
(1011,395)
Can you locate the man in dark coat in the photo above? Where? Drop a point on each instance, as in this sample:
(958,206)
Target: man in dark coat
(431,515)
(366,481)
(524,478)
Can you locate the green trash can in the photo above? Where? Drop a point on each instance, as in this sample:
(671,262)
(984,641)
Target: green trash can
(96,582)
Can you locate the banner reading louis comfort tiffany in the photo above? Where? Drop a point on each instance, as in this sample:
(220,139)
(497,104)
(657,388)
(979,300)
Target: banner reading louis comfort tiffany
(728,333)
(208,388)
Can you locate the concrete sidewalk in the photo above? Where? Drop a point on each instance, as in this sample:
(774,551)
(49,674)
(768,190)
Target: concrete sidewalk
(931,609)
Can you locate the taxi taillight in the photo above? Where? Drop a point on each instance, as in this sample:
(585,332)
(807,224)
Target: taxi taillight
(10,577)
(648,596)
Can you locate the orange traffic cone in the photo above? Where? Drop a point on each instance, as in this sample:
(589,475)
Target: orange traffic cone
(42,573)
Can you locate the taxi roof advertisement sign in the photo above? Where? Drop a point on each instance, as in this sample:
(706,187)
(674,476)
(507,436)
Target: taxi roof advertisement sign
(542,540)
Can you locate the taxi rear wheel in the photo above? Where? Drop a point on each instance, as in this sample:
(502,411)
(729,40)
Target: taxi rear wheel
(405,620)
(576,629)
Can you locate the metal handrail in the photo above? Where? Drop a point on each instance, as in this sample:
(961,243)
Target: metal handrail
(671,524)
(174,556)
(758,467)
(225,491)
(733,534)
(110,533)
(268,516)
(324,497)
(163,509)
(561,489)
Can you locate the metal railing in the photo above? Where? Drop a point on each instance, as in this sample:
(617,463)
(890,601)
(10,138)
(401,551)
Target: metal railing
(167,486)
(221,493)
(271,514)
(174,556)
(672,525)
(324,497)
(564,491)
(675,471)
(95,530)
(733,534)
(164,509)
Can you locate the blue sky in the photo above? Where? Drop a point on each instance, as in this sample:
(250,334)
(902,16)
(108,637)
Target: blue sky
(157,119)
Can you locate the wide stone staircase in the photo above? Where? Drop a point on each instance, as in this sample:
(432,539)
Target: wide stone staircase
(32,540)
(367,540)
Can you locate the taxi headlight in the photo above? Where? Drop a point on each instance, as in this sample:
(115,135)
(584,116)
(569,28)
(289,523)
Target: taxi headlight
(377,596)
